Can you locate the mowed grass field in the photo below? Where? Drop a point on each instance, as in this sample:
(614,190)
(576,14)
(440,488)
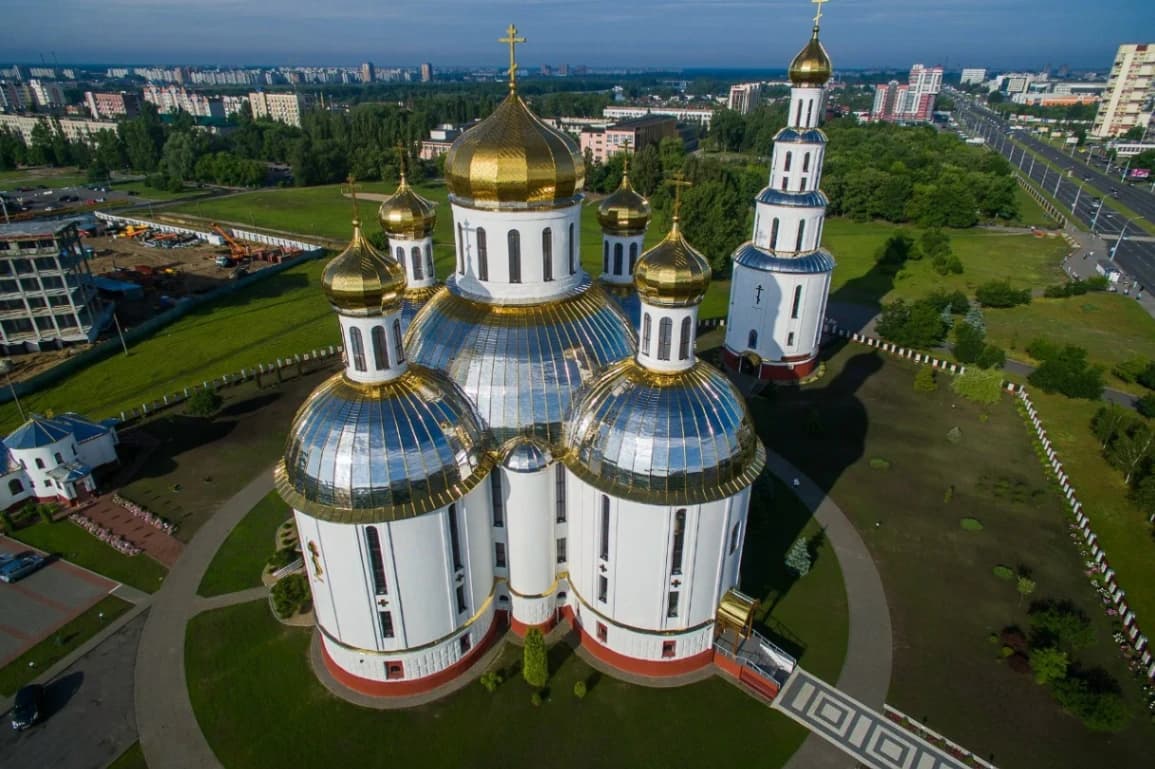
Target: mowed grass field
(883,452)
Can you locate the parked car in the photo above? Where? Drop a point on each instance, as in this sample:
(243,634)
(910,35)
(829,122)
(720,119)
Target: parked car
(28,707)
(20,566)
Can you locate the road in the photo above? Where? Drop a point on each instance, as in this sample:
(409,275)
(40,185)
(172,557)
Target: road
(1080,188)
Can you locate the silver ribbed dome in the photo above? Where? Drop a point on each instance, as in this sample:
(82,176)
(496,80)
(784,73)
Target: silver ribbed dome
(664,439)
(627,299)
(812,263)
(525,455)
(370,453)
(412,301)
(801,136)
(521,365)
(811,199)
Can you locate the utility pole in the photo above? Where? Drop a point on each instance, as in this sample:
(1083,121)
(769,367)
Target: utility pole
(1075,205)
(120,333)
(1119,240)
(1031,173)
(1057,185)
(1095,219)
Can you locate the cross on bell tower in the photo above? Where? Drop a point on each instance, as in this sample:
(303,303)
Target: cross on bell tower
(512,39)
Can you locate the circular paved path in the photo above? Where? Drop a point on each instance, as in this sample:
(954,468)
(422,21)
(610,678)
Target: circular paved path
(171,737)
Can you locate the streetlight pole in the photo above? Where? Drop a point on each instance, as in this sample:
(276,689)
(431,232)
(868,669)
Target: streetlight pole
(1030,173)
(1095,218)
(1057,181)
(1119,240)
(1123,177)
(1075,205)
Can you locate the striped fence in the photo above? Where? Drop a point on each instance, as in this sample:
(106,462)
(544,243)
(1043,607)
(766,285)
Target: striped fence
(1045,204)
(1132,642)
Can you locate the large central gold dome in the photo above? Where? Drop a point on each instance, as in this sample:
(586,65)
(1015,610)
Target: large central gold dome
(514,160)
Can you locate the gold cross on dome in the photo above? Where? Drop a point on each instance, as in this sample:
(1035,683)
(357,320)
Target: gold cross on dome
(512,39)
(402,155)
(626,158)
(350,189)
(818,14)
(678,183)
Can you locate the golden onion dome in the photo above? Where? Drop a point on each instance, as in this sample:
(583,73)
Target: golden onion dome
(513,160)
(624,212)
(407,215)
(672,273)
(361,280)
(812,64)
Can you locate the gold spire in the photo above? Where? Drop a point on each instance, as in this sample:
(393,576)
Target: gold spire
(350,189)
(512,39)
(405,214)
(812,67)
(673,273)
(361,280)
(624,212)
(678,182)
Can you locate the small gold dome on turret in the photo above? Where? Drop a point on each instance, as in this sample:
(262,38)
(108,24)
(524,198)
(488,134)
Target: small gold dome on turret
(672,273)
(407,215)
(812,64)
(624,211)
(362,280)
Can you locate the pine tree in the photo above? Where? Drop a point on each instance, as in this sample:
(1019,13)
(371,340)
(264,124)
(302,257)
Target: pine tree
(798,559)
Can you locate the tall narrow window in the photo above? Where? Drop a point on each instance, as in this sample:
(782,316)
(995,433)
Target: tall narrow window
(499,554)
(514,240)
(418,264)
(386,624)
(454,538)
(617,259)
(561,550)
(774,226)
(376,562)
(398,341)
(462,606)
(734,538)
(460,250)
(752,339)
(482,255)
(495,491)
(646,334)
(665,330)
(684,340)
(603,588)
(798,115)
(797,302)
(672,605)
(806,162)
(604,545)
(803,183)
(465,643)
(559,491)
(429,258)
(380,349)
(790,339)
(606,257)
(679,542)
(801,235)
(789,159)
(547,254)
(357,348)
(633,257)
(400,256)
(570,243)
(785,183)
(809,111)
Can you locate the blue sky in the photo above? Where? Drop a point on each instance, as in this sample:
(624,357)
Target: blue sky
(692,33)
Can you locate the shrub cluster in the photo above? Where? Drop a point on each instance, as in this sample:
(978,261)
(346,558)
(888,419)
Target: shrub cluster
(998,293)
(1075,287)
(291,595)
(1065,370)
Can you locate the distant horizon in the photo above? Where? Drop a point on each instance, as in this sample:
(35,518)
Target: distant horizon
(731,34)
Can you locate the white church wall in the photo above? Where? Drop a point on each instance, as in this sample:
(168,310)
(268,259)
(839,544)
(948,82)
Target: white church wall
(97,451)
(619,257)
(799,163)
(770,312)
(784,238)
(805,107)
(402,250)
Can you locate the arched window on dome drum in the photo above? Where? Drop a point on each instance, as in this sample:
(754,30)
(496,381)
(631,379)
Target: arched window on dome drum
(684,340)
(460,250)
(514,239)
(752,339)
(376,563)
(617,258)
(797,302)
(429,258)
(454,543)
(665,330)
(604,545)
(418,265)
(679,542)
(785,183)
(400,256)
(787,162)
(774,233)
(482,255)
(357,348)
(380,349)
(806,162)
(798,117)
(801,234)
(646,334)
(547,254)
(398,341)
(572,263)
(809,110)
(633,257)
(606,257)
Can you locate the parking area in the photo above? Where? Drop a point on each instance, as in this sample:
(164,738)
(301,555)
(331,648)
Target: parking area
(34,607)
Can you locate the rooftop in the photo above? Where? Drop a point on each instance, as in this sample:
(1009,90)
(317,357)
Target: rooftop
(32,229)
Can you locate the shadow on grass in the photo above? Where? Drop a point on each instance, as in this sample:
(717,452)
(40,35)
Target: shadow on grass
(177,435)
(249,405)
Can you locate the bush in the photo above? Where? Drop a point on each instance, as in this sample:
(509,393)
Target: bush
(979,385)
(1146,405)
(1131,369)
(925,380)
(1098,705)
(535,663)
(1070,374)
(290,595)
(282,558)
(878,463)
(1003,572)
(971,524)
(897,249)
(948,265)
(956,300)
(490,680)
(535,699)
(580,690)
(916,324)
(998,293)
(992,357)
(1049,664)
(1019,663)
(798,559)
(1075,288)
(203,403)
(1013,637)
(1060,624)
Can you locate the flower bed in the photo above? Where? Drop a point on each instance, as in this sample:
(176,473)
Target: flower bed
(146,515)
(115,541)
(952,749)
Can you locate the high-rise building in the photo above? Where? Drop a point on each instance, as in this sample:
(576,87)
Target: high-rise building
(426,72)
(112,105)
(282,107)
(46,95)
(781,276)
(912,101)
(1127,103)
(174,98)
(744,97)
(368,72)
(973,76)
(636,134)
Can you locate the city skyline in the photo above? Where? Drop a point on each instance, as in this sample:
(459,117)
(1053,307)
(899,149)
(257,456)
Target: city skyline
(677,33)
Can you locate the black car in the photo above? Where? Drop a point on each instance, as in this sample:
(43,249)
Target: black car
(28,707)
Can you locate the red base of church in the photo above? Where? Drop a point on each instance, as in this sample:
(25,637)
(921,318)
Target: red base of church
(652,668)
(789,370)
(519,628)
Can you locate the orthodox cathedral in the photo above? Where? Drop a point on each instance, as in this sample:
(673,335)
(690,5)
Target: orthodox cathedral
(524,444)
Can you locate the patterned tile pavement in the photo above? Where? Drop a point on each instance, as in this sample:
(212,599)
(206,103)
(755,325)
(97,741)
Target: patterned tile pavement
(865,734)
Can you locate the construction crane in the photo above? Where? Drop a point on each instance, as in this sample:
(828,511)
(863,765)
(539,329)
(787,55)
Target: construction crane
(236,250)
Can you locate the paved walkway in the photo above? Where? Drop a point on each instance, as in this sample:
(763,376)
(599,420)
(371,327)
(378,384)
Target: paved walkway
(161,547)
(863,733)
(169,733)
(229,599)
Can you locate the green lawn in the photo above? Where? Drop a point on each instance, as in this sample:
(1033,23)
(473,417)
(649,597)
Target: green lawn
(57,646)
(1031,213)
(944,599)
(238,564)
(73,543)
(132,758)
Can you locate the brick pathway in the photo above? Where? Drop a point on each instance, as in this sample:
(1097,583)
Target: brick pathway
(162,547)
